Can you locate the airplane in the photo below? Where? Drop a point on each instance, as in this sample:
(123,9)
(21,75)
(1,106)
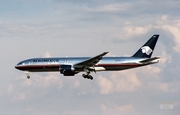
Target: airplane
(69,66)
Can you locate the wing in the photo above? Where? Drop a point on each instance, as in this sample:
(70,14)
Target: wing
(90,62)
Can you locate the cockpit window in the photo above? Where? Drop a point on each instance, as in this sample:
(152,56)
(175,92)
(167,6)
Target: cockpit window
(20,63)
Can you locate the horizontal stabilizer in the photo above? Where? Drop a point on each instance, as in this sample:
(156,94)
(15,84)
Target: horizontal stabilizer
(149,60)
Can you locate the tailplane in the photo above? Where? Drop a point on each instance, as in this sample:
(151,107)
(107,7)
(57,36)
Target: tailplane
(147,49)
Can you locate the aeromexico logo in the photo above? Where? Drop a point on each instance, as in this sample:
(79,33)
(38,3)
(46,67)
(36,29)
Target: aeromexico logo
(146,49)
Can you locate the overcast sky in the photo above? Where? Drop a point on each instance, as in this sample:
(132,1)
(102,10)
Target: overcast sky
(56,28)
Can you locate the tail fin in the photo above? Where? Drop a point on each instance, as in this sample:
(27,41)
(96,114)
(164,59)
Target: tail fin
(147,49)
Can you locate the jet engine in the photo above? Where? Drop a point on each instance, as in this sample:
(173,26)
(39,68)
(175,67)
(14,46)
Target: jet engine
(67,70)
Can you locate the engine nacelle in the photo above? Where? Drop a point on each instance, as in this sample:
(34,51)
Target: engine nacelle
(67,70)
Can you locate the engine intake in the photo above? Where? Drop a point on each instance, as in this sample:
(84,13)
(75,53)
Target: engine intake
(67,70)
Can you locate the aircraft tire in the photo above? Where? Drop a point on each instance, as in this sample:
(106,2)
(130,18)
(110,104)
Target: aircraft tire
(28,77)
(85,76)
(90,77)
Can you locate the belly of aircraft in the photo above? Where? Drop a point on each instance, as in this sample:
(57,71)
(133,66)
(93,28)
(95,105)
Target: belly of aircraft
(40,68)
(53,68)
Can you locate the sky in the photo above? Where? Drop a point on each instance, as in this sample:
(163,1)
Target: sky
(57,28)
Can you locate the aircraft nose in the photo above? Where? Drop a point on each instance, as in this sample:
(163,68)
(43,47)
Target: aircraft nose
(17,67)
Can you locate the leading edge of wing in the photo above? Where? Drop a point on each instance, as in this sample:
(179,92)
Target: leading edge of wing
(90,62)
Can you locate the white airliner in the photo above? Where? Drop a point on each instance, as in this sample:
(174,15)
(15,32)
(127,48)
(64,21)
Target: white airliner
(69,66)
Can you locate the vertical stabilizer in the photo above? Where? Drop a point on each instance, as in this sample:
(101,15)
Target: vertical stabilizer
(147,49)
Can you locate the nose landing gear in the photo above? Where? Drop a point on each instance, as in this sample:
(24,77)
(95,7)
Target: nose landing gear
(28,76)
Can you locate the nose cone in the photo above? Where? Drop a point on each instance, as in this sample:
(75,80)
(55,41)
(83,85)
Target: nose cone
(20,67)
(17,67)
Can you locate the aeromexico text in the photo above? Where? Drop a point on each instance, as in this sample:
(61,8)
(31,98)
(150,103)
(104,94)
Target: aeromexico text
(46,60)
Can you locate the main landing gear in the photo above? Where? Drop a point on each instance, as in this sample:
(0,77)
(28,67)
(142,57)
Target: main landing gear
(87,75)
(28,76)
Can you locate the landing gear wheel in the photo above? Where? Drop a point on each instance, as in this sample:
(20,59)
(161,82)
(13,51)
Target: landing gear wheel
(87,76)
(28,77)
(91,78)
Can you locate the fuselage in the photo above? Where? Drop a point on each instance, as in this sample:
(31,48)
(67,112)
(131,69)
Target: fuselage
(53,64)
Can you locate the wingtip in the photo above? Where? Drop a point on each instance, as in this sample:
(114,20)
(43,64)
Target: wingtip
(156,35)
